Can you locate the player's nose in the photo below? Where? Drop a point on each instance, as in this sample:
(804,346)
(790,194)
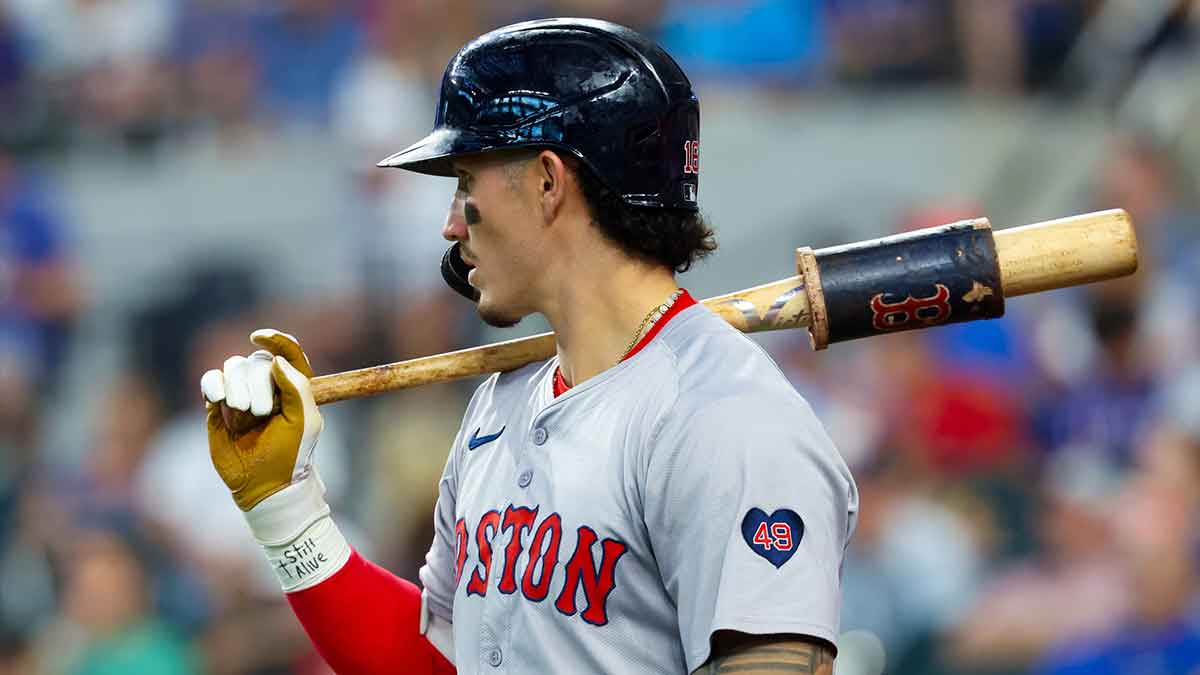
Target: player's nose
(455,228)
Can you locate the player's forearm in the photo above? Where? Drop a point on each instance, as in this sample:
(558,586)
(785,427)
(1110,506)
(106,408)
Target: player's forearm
(767,654)
(361,618)
(365,620)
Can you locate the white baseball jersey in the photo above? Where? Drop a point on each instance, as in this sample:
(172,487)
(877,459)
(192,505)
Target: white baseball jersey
(614,528)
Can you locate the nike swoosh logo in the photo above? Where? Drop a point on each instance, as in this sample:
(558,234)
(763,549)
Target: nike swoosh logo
(476,440)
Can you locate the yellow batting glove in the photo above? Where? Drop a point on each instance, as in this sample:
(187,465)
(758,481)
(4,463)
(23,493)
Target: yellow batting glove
(258,462)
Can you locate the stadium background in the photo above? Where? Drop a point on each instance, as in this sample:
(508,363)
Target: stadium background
(175,173)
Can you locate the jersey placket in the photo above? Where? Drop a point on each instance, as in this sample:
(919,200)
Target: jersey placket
(500,609)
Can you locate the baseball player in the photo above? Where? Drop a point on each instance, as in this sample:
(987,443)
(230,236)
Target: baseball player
(656,498)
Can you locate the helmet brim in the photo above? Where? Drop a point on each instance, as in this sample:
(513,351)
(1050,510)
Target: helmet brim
(434,155)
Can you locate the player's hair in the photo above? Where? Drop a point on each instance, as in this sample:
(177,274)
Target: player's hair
(673,238)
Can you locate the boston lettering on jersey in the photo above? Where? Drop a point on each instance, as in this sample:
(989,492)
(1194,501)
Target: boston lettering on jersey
(581,571)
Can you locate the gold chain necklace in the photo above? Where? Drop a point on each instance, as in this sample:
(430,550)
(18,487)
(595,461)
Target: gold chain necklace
(651,318)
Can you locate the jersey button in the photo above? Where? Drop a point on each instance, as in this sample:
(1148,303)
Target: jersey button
(525,478)
(495,657)
(540,435)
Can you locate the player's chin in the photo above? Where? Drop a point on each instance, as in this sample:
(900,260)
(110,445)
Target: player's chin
(496,314)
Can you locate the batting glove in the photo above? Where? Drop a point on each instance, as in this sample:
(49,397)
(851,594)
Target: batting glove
(267,461)
(262,460)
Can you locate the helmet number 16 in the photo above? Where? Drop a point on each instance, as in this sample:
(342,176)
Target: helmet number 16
(691,156)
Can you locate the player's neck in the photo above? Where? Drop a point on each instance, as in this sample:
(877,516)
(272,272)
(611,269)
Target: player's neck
(598,310)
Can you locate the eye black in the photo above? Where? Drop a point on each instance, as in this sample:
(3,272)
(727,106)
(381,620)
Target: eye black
(471,214)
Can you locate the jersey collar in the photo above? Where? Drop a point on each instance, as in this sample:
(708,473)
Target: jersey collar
(684,301)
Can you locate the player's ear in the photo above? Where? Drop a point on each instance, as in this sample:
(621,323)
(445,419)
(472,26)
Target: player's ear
(551,173)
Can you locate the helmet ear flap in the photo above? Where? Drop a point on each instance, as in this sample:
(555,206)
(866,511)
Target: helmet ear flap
(454,271)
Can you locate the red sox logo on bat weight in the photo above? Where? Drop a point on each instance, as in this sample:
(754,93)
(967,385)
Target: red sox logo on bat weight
(927,311)
(581,570)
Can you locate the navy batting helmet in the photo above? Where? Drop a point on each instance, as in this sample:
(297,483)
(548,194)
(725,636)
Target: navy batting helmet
(600,91)
(597,90)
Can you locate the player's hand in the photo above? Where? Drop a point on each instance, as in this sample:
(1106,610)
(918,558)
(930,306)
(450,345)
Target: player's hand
(261,460)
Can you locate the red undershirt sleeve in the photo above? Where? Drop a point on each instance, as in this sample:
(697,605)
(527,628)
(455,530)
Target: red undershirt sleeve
(365,620)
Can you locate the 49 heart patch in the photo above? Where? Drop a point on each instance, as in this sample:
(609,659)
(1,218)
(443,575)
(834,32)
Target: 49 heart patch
(774,537)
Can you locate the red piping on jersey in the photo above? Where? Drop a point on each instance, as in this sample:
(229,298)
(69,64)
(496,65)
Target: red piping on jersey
(684,301)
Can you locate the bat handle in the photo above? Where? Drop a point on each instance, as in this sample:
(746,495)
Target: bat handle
(1066,252)
(457,365)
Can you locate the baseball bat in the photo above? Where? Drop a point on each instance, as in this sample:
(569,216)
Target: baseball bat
(956,272)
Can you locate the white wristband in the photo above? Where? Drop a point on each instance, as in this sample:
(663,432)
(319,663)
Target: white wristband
(302,542)
(283,516)
(313,557)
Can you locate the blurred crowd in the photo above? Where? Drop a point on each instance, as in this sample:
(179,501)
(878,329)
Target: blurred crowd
(1030,486)
(138,72)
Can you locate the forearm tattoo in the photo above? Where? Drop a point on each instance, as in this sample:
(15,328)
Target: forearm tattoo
(753,654)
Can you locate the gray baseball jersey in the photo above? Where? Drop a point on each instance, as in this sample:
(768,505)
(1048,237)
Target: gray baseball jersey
(614,528)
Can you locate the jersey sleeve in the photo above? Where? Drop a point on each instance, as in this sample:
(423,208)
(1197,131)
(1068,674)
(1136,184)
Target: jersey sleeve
(749,508)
